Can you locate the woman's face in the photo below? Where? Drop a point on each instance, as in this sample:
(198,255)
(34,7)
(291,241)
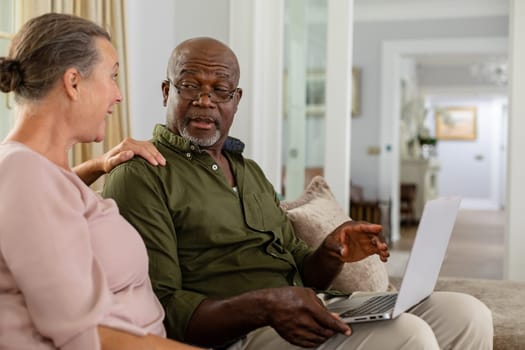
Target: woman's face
(99,94)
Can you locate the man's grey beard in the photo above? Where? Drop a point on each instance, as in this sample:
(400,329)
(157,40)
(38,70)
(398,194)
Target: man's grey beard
(206,142)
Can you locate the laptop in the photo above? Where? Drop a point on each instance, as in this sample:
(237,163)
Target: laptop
(421,272)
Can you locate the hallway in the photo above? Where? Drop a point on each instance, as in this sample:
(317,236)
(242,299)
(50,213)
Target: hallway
(475,249)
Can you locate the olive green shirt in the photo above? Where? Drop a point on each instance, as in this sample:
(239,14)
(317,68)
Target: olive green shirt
(205,239)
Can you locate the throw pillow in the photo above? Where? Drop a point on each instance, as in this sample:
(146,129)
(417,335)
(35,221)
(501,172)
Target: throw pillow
(314,215)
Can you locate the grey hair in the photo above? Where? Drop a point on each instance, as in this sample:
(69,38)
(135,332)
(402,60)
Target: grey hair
(44,48)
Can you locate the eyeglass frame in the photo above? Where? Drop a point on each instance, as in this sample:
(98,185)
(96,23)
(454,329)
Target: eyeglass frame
(199,94)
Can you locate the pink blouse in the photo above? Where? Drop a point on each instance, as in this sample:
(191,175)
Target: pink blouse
(68,261)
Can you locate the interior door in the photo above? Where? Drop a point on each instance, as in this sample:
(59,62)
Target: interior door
(304,94)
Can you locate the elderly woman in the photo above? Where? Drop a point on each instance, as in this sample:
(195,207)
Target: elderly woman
(73,272)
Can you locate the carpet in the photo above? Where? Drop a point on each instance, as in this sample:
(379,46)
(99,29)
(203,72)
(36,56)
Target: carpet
(506,300)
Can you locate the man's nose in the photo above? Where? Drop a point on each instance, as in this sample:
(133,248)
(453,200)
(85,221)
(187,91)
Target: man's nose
(203,98)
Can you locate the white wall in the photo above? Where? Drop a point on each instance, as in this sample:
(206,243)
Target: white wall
(151,37)
(467,165)
(154,29)
(201,18)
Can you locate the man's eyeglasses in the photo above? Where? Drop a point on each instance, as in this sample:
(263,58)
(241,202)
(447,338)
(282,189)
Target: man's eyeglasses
(194,93)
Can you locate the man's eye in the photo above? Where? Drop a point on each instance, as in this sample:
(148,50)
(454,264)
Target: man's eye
(188,86)
(221,90)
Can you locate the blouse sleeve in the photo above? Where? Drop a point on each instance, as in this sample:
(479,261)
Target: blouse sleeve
(45,242)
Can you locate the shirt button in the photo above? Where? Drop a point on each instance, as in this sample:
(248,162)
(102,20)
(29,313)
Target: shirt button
(215,167)
(192,148)
(188,155)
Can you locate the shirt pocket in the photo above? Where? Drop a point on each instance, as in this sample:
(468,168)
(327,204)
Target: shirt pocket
(262,213)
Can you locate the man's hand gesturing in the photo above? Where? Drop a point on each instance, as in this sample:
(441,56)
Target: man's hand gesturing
(356,240)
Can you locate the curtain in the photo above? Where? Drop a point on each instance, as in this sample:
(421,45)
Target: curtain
(110,14)
(6,33)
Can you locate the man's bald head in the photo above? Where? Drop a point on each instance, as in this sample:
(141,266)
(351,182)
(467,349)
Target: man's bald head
(205,49)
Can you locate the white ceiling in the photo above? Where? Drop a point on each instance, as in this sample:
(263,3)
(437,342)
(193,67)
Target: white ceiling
(406,10)
(456,59)
(402,10)
(385,10)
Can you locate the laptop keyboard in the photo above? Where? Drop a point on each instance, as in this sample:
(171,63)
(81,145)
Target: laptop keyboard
(374,305)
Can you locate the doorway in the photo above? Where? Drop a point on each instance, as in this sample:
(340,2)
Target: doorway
(392,54)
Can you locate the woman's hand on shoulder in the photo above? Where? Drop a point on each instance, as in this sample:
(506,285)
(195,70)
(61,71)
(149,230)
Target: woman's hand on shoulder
(129,148)
(92,169)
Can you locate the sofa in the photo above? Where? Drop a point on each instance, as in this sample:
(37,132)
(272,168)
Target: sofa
(316,213)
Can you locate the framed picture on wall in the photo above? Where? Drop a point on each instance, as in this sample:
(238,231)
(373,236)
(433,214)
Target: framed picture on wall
(456,123)
(316,93)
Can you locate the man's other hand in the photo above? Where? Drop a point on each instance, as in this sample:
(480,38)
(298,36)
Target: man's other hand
(356,240)
(301,318)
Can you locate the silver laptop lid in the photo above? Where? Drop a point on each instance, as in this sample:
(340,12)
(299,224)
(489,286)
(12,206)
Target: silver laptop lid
(428,252)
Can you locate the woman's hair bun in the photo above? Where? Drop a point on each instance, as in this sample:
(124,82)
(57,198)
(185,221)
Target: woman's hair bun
(10,74)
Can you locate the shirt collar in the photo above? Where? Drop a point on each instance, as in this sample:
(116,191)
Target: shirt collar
(161,132)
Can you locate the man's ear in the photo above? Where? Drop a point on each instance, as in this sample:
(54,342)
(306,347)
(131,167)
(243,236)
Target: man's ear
(165,92)
(237,97)
(71,79)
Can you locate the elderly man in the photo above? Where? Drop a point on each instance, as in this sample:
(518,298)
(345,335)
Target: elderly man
(224,260)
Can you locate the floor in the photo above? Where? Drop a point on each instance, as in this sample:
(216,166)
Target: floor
(475,249)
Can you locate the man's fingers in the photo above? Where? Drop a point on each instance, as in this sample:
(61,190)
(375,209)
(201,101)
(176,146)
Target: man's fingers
(365,226)
(332,323)
(306,321)
(338,318)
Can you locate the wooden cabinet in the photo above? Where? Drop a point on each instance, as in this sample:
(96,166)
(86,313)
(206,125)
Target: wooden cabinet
(423,173)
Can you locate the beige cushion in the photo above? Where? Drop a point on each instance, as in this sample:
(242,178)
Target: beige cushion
(314,215)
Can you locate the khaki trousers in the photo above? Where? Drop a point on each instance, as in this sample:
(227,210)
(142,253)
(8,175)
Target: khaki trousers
(445,320)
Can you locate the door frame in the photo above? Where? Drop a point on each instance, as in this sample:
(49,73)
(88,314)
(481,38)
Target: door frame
(391,54)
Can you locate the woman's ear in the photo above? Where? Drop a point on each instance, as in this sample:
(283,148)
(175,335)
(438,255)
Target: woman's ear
(70,79)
